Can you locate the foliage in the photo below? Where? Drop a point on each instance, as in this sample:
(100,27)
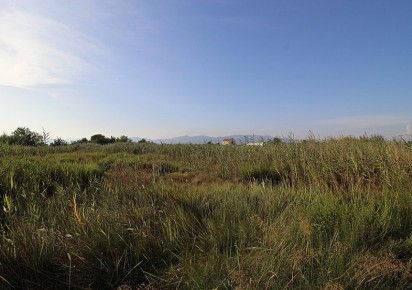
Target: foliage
(58,142)
(5,139)
(277,140)
(101,139)
(331,214)
(23,136)
(80,141)
(123,139)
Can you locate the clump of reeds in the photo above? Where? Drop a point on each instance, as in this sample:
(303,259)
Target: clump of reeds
(331,214)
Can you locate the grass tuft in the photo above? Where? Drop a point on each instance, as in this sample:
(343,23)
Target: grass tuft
(331,214)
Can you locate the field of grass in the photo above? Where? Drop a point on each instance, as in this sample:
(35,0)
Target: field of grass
(335,214)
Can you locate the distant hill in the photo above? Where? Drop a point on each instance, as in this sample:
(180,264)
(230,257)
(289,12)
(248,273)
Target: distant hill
(202,139)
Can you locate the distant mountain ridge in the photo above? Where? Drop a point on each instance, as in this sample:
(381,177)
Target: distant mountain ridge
(202,139)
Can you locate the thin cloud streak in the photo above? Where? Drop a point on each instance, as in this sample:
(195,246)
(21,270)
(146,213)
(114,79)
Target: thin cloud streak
(367,121)
(37,50)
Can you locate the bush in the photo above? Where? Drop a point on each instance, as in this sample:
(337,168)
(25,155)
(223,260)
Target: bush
(23,136)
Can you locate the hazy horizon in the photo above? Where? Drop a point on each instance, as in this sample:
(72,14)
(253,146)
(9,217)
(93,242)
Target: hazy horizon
(162,69)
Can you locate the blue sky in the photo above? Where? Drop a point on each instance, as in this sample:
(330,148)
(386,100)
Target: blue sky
(160,69)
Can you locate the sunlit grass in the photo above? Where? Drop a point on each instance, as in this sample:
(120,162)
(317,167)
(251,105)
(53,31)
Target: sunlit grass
(313,215)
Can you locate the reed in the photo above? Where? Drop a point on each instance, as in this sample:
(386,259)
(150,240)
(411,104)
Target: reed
(330,214)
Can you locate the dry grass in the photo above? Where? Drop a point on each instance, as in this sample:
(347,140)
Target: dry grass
(311,215)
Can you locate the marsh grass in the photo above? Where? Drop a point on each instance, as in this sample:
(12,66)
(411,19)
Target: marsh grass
(334,214)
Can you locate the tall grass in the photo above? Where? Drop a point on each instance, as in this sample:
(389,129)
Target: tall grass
(305,215)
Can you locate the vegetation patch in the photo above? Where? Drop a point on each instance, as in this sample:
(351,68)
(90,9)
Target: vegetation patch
(333,214)
(262,174)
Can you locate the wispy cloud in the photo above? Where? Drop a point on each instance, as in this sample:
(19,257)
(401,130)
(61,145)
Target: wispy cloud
(367,121)
(38,50)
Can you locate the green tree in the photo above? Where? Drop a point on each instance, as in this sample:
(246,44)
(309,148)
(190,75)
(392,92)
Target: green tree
(123,139)
(23,136)
(80,141)
(101,139)
(58,142)
(277,140)
(5,139)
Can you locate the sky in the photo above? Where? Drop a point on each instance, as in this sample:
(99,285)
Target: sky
(165,68)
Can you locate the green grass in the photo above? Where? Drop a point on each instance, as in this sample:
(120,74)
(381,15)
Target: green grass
(314,215)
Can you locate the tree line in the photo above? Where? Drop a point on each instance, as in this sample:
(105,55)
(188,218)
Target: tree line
(25,137)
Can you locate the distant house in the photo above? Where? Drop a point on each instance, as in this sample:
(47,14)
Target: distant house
(228,141)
